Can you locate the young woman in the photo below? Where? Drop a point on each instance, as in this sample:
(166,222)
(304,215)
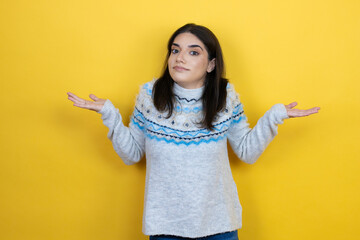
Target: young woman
(182,122)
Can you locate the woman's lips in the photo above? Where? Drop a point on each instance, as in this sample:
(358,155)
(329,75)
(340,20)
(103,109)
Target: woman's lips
(177,68)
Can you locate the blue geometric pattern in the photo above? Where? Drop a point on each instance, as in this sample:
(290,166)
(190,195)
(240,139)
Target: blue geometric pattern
(160,132)
(148,88)
(173,130)
(187,109)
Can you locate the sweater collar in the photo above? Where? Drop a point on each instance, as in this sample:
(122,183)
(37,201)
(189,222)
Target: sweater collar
(188,94)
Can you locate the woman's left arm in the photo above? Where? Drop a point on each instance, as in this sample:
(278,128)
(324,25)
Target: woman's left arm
(249,143)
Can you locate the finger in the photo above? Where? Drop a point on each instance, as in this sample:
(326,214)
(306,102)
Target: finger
(314,110)
(93,97)
(305,113)
(71,94)
(291,105)
(83,106)
(311,111)
(77,100)
(75,97)
(302,113)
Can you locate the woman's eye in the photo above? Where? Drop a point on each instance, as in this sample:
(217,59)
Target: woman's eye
(194,53)
(174,51)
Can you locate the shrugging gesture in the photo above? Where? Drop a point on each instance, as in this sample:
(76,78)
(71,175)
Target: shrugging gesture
(96,105)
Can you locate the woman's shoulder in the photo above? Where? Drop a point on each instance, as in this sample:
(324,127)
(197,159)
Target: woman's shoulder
(147,88)
(233,105)
(144,98)
(232,97)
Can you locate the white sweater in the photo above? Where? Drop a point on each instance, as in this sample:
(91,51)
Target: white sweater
(189,189)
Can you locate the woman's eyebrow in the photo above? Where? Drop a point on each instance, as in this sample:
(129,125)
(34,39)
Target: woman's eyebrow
(195,46)
(191,46)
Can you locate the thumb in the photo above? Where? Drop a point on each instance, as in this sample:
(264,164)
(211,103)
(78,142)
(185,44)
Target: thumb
(291,105)
(93,97)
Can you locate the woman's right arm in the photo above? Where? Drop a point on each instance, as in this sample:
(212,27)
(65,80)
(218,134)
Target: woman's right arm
(128,142)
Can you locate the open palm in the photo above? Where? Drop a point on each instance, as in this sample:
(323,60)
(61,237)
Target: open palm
(292,113)
(95,105)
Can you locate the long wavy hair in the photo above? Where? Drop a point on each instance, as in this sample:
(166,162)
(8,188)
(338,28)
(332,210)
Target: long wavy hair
(214,95)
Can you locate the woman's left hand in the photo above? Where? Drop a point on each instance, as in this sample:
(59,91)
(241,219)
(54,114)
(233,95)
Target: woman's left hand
(292,113)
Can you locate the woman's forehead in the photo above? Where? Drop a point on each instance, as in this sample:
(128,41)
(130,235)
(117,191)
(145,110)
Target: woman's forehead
(187,39)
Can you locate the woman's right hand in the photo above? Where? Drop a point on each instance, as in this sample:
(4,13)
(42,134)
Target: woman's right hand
(96,105)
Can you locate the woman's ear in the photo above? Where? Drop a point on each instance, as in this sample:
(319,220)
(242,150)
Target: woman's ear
(211,65)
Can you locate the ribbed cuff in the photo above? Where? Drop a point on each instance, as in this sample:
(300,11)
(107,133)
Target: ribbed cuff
(280,113)
(106,108)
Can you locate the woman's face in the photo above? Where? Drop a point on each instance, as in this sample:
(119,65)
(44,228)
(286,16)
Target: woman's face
(189,61)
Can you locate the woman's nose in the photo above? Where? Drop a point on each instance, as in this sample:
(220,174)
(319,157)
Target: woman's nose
(180,57)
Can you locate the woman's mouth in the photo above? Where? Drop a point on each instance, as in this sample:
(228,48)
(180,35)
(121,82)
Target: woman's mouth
(177,68)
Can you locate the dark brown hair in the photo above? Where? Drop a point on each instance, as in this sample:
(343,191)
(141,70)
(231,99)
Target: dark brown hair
(214,95)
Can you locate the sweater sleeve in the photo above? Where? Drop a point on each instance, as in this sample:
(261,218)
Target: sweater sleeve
(128,142)
(249,143)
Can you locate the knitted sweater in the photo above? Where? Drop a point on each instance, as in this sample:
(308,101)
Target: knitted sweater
(189,189)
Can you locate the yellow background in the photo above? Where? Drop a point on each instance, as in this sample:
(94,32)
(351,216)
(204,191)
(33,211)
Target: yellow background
(60,177)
